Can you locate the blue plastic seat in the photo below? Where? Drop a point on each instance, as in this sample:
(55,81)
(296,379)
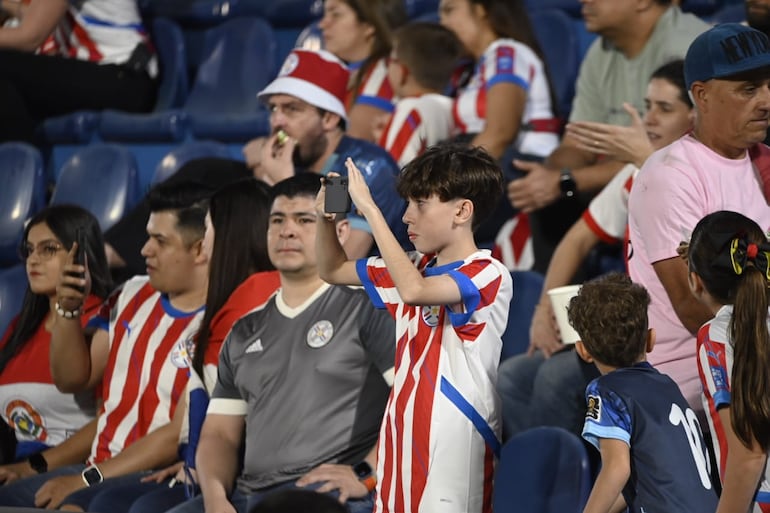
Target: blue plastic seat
(730,13)
(22,194)
(102,178)
(310,38)
(556,34)
(198,12)
(80,127)
(702,7)
(238,61)
(172,91)
(570,7)
(417,8)
(527,286)
(13,286)
(542,470)
(177,157)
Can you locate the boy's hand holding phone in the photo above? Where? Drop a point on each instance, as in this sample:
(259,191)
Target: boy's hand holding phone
(358,189)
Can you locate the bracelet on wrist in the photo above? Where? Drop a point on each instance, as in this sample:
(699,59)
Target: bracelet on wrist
(68,314)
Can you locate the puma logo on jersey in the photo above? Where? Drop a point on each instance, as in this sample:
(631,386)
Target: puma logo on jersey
(255,347)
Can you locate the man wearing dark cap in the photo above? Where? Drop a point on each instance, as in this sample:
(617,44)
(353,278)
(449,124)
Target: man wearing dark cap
(727,73)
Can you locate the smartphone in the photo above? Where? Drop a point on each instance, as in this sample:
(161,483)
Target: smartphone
(337,200)
(80,255)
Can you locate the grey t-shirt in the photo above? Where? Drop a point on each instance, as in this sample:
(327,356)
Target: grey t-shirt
(309,381)
(607,78)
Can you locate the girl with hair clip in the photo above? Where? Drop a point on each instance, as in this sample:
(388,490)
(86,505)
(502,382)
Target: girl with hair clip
(41,416)
(729,262)
(240,279)
(359,33)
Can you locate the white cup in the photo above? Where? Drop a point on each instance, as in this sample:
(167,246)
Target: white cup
(560,297)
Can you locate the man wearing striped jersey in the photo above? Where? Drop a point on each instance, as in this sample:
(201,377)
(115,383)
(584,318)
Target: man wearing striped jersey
(302,380)
(137,356)
(440,434)
(420,66)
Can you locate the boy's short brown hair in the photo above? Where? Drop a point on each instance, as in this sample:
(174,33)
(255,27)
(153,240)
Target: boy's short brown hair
(429,52)
(452,171)
(610,315)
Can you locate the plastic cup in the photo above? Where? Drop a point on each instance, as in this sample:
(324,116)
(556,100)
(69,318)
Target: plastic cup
(560,297)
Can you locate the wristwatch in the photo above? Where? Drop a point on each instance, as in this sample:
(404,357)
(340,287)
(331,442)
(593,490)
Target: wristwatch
(365,474)
(92,475)
(567,183)
(38,463)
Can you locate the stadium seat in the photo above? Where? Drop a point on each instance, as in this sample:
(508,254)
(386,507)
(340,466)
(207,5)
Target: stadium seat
(310,38)
(172,91)
(22,194)
(703,8)
(102,178)
(570,7)
(730,13)
(238,61)
(417,8)
(171,163)
(556,34)
(13,286)
(197,12)
(527,286)
(542,470)
(289,13)
(80,127)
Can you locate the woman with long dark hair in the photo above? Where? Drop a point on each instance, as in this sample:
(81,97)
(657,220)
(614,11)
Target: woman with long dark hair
(359,33)
(40,415)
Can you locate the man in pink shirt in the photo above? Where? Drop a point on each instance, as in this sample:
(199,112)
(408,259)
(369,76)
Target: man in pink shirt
(727,73)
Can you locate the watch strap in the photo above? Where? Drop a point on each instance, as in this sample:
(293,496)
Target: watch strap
(38,462)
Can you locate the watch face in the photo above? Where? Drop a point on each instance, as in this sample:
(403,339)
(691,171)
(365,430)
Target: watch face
(92,476)
(362,470)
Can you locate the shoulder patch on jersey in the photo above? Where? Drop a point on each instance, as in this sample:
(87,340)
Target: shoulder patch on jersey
(430,315)
(594,410)
(320,334)
(180,355)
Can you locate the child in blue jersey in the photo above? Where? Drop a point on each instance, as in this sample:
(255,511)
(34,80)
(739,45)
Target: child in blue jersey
(729,263)
(653,456)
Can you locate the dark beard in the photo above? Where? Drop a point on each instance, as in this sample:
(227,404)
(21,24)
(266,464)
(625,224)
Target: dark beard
(305,156)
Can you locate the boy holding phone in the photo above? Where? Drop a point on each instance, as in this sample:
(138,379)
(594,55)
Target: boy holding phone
(450,301)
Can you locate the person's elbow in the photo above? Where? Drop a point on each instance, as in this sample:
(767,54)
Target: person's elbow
(71,382)
(27,40)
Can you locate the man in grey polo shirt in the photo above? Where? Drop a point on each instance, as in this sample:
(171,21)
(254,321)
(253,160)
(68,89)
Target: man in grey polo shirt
(308,373)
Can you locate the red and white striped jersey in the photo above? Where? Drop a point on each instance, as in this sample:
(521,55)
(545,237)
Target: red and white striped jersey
(513,244)
(103,31)
(418,123)
(30,402)
(715,368)
(509,61)
(374,89)
(607,214)
(146,370)
(440,432)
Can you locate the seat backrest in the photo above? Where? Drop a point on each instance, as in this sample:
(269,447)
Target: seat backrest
(13,286)
(527,286)
(177,157)
(730,13)
(310,38)
(570,7)
(238,61)
(417,8)
(169,44)
(102,178)
(542,470)
(21,195)
(556,34)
